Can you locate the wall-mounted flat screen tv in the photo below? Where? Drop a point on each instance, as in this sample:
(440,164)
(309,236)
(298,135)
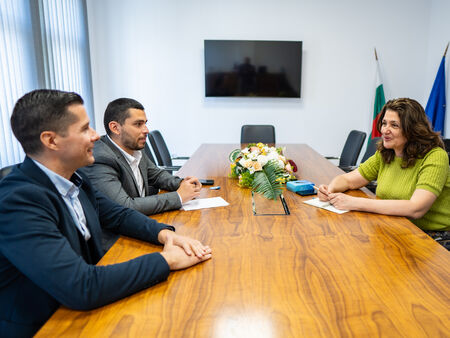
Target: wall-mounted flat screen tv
(253,68)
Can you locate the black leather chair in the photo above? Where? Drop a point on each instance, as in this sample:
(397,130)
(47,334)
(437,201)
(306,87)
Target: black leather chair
(254,133)
(351,150)
(447,147)
(161,151)
(150,156)
(370,150)
(6,170)
(446,143)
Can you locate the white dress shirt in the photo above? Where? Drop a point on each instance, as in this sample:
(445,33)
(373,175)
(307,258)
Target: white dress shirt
(133,161)
(69,192)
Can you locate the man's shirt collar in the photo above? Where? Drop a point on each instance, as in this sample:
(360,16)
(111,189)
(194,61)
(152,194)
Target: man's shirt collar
(135,158)
(63,185)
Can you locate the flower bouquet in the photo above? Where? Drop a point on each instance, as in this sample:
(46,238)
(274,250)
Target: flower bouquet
(262,168)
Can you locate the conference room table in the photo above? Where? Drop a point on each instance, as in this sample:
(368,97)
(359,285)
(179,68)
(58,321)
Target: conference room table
(313,273)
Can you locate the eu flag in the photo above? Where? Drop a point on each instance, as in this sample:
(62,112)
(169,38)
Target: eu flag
(435,108)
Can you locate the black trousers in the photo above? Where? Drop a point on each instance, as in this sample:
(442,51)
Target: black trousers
(442,237)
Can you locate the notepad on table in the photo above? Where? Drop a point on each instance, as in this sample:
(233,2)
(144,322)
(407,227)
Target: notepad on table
(324,205)
(203,203)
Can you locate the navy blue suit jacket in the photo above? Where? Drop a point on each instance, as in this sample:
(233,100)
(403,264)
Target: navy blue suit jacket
(44,260)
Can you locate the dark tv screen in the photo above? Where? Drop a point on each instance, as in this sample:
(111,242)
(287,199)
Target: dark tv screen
(253,68)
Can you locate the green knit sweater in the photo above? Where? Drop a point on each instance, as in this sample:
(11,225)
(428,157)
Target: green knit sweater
(431,173)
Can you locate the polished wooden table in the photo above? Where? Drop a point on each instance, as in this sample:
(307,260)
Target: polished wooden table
(312,273)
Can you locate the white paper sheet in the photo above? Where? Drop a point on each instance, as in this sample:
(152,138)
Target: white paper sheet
(324,205)
(203,203)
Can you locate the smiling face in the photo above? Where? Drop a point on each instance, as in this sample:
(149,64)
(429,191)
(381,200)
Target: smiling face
(76,143)
(392,133)
(132,134)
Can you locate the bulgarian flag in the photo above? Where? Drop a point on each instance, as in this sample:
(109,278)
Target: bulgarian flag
(378,103)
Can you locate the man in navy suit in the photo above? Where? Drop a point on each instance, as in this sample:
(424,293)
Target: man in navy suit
(51,219)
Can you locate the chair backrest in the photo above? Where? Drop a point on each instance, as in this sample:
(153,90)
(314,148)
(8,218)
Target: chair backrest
(371,148)
(160,148)
(446,143)
(6,170)
(447,147)
(264,133)
(352,148)
(149,154)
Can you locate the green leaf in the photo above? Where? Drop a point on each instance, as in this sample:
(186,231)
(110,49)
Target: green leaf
(234,155)
(267,182)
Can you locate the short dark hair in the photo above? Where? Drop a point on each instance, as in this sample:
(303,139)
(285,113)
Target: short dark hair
(42,110)
(117,110)
(420,137)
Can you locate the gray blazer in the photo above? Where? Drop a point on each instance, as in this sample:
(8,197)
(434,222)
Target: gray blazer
(112,175)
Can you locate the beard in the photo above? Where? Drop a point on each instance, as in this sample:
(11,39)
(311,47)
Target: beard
(131,143)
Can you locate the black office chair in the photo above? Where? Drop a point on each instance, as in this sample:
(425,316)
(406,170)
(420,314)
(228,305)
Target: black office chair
(446,143)
(370,150)
(151,158)
(6,170)
(447,147)
(351,150)
(254,133)
(149,154)
(161,151)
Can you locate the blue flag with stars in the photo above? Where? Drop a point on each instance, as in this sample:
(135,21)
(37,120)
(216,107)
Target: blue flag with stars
(435,108)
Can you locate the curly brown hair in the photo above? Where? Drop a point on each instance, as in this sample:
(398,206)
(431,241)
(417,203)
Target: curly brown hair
(415,127)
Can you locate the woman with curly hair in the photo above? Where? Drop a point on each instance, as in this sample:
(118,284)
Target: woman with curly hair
(411,168)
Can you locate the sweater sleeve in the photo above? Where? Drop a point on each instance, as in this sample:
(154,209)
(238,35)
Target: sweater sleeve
(370,168)
(433,171)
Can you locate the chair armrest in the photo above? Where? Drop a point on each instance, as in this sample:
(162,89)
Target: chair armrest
(372,186)
(349,168)
(170,168)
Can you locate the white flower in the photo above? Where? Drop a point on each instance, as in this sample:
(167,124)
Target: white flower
(262,160)
(257,166)
(245,151)
(272,156)
(246,163)
(253,155)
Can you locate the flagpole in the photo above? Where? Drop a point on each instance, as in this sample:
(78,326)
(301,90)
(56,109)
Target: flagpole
(445,53)
(379,100)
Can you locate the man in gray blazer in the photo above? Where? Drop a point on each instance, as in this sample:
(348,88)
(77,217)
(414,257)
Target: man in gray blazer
(125,173)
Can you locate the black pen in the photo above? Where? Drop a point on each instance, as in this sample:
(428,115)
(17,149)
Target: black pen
(285,206)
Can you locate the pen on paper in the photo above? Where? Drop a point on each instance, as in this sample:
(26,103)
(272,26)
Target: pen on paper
(317,188)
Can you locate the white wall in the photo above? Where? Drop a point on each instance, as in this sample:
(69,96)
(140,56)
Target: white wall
(153,51)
